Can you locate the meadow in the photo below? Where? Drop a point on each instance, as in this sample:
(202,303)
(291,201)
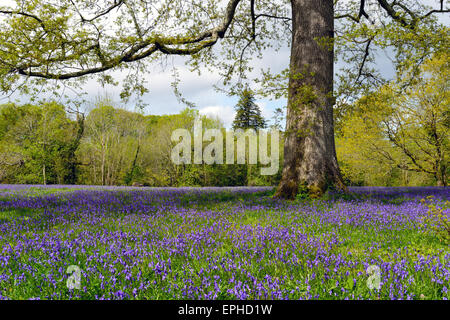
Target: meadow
(221,243)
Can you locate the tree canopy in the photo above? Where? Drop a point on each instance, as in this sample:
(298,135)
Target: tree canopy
(45,40)
(58,44)
(404,128)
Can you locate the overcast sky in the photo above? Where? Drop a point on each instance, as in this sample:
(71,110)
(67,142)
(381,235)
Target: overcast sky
(199,89)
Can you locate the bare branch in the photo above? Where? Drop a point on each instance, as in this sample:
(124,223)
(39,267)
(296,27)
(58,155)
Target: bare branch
(393,14)
(441,10)
(363,62)
(362,12)
(29,15)
(116,4)
(272,17)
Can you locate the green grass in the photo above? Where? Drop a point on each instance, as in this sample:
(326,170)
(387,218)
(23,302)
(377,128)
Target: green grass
(232,246)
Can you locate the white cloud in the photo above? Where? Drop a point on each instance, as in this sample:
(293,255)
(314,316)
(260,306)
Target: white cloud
(227,113)
(224,113)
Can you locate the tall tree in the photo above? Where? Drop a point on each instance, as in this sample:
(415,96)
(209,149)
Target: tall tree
(405,128)
(309,151)
(69,152)
(61,40)
(34,140)
(248,114)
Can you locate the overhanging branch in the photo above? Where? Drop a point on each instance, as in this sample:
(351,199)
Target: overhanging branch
(143,49)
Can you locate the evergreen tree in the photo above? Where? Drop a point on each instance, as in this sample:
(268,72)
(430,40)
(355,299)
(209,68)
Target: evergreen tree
(248,113)
(248,116)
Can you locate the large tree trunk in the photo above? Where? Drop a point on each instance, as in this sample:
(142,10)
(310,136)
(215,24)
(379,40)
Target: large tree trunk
(44,174)
(441,180)
(309,150)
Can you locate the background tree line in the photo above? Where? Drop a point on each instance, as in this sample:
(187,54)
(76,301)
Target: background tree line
(44,144)
(46,42)
(394,136)
(397,135)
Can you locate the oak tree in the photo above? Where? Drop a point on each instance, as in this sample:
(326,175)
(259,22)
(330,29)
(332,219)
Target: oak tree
(60,43)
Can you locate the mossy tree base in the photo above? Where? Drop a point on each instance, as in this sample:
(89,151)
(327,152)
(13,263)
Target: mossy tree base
(309,149)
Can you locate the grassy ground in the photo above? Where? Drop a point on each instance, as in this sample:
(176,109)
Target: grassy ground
(220,243)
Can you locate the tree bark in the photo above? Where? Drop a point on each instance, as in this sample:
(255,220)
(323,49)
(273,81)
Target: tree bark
(133,166)
(309,150)
(441,179)
(44,174)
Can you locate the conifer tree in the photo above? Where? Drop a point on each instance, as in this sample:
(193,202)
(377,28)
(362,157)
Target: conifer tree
(248,116)
(248,113)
